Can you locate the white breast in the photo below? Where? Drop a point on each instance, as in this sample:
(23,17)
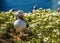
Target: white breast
(20,24)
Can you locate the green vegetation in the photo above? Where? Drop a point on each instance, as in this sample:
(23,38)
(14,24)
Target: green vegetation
(43,24)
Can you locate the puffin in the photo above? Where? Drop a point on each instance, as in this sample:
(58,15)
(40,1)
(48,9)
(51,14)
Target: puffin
(20,24)
(58,10)
(34,8)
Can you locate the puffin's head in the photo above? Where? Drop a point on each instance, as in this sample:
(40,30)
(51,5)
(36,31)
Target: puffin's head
(19,14)
(58,10)
(35,7)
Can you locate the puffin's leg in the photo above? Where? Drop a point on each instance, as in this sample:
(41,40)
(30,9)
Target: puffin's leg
(17,36)
(20,34)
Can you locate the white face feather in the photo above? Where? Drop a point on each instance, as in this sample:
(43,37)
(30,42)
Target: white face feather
(20,12)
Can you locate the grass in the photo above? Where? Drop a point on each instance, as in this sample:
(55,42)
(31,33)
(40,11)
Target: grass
(44,26)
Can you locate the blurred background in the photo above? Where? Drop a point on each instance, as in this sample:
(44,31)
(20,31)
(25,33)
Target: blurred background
(27,5)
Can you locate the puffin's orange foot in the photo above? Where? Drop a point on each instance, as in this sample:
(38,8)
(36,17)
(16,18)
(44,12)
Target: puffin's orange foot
(17,37)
